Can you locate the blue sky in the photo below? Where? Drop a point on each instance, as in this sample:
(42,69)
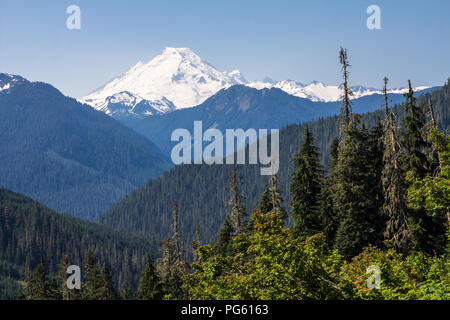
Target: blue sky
(281,39)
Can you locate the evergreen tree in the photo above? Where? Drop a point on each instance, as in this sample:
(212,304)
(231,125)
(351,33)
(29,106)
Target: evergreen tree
(265,203)
(106,290)
(171,268)
(25,291)
(225,237)
(353,197)
(93,275)
(237,203)
(346,109)
(413,137)
(375,163)
(427,232)
(40,286)
(329,219)
(196,242)
(149,286)
(176,233)
(306,189)
(276,197)
(394,205)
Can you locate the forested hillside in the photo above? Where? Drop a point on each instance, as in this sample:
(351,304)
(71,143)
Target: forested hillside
(67,155)
(29,230)
(202,194)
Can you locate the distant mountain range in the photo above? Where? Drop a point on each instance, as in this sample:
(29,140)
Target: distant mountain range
(67,155)
(178,78)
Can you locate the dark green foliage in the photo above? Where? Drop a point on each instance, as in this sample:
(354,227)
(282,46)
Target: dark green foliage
(276,197)
(93,279)
(265,203)
(170,270)
(224,237)
(393,209)
(413,136)
(40,286)
(170,267)
(29,230)
(329,217)
(107,291)
(98,281)
(67,155)
(354,199)
(272,199)
(237,204)
(149,286)
(427,232)
(305,189)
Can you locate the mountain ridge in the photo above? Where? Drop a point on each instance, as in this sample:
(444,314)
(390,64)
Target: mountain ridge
(182,77)
(67,155)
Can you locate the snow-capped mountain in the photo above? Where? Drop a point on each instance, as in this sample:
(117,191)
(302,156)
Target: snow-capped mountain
(177,75)
(8,81)
(317,91)
(178,78)
(126,104)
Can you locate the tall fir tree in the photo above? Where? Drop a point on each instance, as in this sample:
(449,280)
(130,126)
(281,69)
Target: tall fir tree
(106,290)
(413,137)
(375,164)
(353,197)
(196,242)
(149,285)
(265,203)
(394,202)
(41,287)
(225,237)
(305,189)
(277,197)
(272,199)
(427,232)
(171,268)
(329,216)
(93,278)
(354,200)
(346,109)
(237,202)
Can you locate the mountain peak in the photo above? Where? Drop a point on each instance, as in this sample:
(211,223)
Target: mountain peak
(173,50)
(178,74)
(8,81)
